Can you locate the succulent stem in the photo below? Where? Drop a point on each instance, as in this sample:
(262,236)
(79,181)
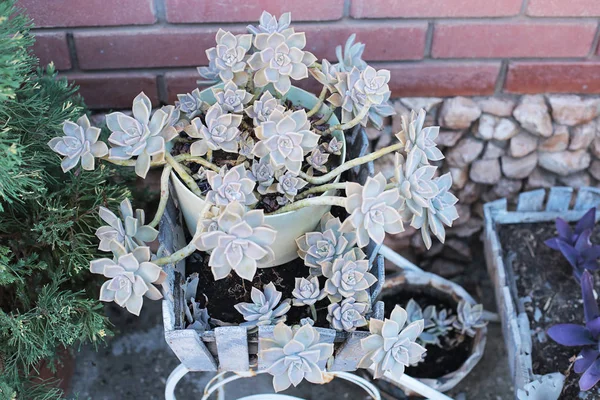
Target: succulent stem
(319,180)
(185,177)
(164,195)
(321,189)
(326,116)
(314,201)
(317,106)
(350,124)
(177,256)
(179,158)
(313,312)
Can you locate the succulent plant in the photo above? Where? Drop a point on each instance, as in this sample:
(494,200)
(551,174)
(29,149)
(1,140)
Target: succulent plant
(414,313)
(140,136)
(190,103)
(125,234)
(545,387)
(262,108)
(348,278)
(220,132)
(373,85)
(347,315)
(286,139)
(210,73)
(231,98)
(196,316)
(241,243)
(229,55)
(371,215)
(263,172)
(279,58)
(442,324)
(265,308)
(307,291)
(378,112)
(229,186)
(317,160)
(414,136)
(293,356)
(334,146)
(441,211)
(469,318)
(131,278)
(268,23)
(327,75)
(246,146)
(392,347)
(320,248)
(79,143)
(351,56)
(289,184)
(414,182)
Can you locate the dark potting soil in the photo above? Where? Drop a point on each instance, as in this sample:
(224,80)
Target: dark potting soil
(439,361)
(545,278)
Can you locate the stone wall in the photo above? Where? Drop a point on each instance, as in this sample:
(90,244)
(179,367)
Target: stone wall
(498,147)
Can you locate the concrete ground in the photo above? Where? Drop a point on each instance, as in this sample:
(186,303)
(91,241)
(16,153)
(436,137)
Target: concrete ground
(136,363)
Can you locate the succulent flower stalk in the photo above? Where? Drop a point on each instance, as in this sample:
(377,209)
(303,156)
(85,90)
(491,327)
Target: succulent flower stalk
(79,143)
(266,308)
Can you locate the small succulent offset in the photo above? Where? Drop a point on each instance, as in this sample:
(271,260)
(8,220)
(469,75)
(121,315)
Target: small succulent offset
(392,346)
(229,186)
(545,387)
(266,307)
(293,356)
(317,160)
(575,245)
(320,248)
(131,278)
(350,56)
(261,109)
(141,136)
(348,278)
(414,136)
(334,146)
(269,24)
(289,184)
(79,143)
(263,172)
(241,243)
(415,182)
(307,291)
(588,336)
(231,98)
(190,103)
(469,318)
(125,234)
(434,325)
(220,132)
(228,56)
(196,316)
(347,315)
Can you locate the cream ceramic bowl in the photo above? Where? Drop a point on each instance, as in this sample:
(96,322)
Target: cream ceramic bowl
(290,225)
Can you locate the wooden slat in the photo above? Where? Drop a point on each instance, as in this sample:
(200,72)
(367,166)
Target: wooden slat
(559,198)
(349,353)
(531,201)
(232,348)
(190,350)
(587,197)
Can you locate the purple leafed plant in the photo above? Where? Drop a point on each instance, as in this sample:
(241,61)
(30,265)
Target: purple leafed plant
(575,245)
(588,336)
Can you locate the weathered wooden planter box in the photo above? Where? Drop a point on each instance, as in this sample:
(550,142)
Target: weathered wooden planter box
(534,206)
(231,348)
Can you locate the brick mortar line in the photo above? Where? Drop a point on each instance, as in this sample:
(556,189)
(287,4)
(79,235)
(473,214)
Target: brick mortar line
(594,46)
(341,22)
(429,39)
(501,78)
(524,6)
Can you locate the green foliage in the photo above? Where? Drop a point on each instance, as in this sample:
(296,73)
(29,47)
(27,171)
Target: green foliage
(47,221)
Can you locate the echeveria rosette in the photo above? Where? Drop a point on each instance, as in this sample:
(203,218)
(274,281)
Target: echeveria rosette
(141,136)
(441,211)
(293,356)
(131,278)
(414,182)
(419,139)
(583,255)
(371,215)
(285,138)
(269,24)
(347,315)
(317,161)
(220,132)
(334,146)
(279,58)
(307,291)
(442,324)
(329,77)
(246,146)
(348,278)
(230,186)
(79,143)
(265,308)
(190,103)
(263,172)
(568,235)
(350,56)
(229,56)
(469,318)
(242,242)
(588,336)
(289,184)
(210,73)
(260,110)
(392,346)
(320,248)
(231,98)
(125,234)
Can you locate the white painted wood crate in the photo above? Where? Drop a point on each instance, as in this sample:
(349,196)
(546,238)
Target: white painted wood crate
(535,206)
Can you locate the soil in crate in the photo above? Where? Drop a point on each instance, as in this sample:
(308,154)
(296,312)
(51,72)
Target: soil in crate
(545,279)
(439,361)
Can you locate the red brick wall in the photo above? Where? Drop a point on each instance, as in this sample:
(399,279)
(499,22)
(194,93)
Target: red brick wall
(115,48)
